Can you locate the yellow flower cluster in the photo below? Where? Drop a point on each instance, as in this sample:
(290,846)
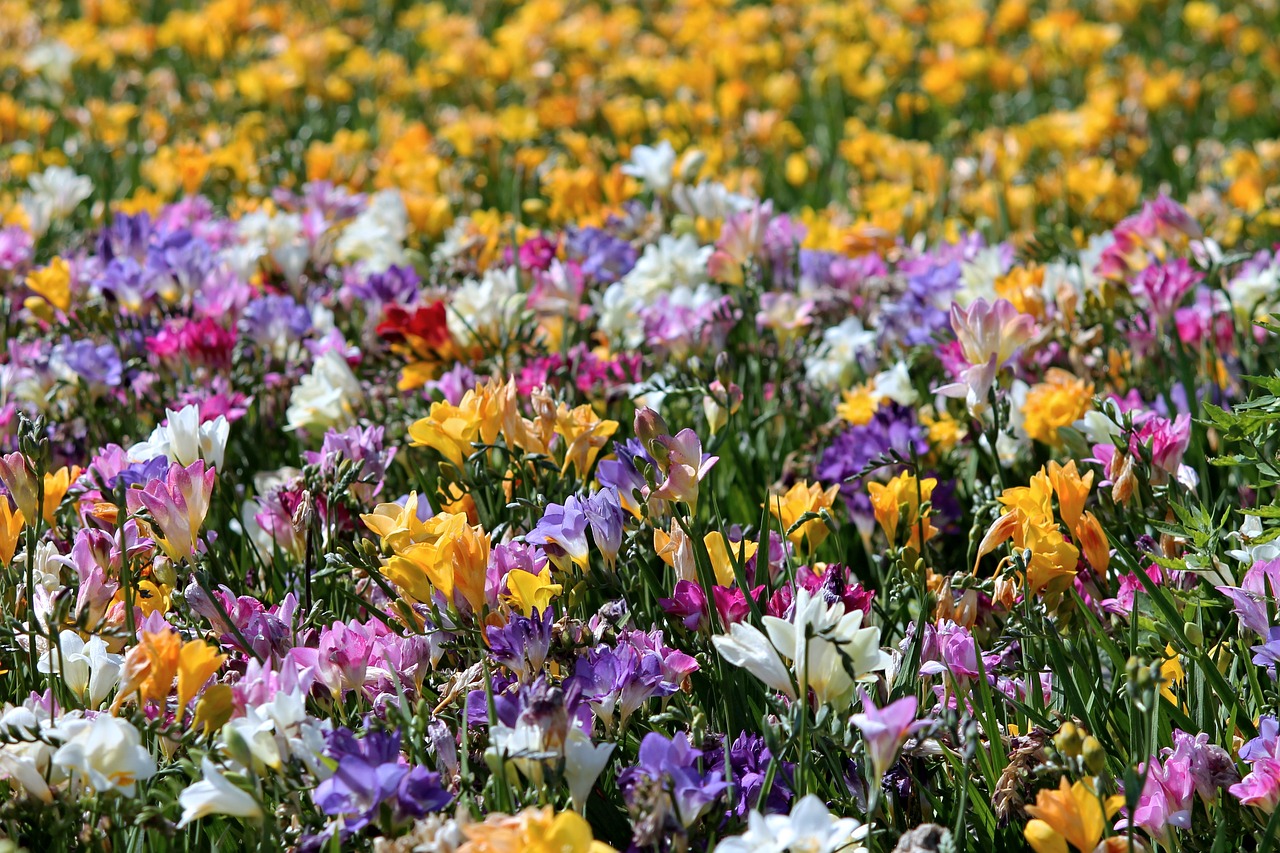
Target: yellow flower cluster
(879,117)
(1028,520)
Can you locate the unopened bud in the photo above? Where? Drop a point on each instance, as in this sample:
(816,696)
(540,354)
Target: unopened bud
(1095,757)
(649,425)
(1068,740)
(1194,634)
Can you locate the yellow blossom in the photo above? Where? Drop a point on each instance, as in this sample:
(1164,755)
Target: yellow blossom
(724,554)
(528,591)
(801,498)
(1069,814)
(858,405)
(55,489)
(452,559)
(450,430)
(214,709)
(52,283)
(584,434)
(1059,401)
(534,830)
(397,526)
(196,663)
(10,529)
(888,500)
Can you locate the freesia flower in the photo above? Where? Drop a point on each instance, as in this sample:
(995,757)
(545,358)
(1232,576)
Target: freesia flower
(584,433)
(653,165)
(904,492)
(177,505)
(802,498)
(196,663)
(885,729)
(89,670)
(326,397)
(1070,814)
(529,592)
(810,827)
(104,753)
(837,645)
(536,830)
(1261,788)
(215,794)
(990,335)
(11,521)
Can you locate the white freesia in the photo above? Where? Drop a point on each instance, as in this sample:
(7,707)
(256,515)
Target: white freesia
(326,397)
(183,438)
(1248,551)
(269,734)
(481,309)
(55,194)
(376,237)
(816,650)
(810,828)
(52,59)
(673,265)
(1253,291)
(653,165)
(215,794)
(89,670)
(104,753)
(583,762)
(709,200)
(836,360)
(895,383)
(28,759)
(978,276)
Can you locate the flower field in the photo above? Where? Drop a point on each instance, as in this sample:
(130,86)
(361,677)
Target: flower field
(573,426)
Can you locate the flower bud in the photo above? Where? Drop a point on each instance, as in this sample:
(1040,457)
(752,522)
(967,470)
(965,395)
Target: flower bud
(1095,757)
(1068,740)
(1194,634)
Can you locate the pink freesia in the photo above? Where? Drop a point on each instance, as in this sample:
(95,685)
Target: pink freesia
(1167,440)
(685,466)
(989,336)
(178,505)
(1261,788)
(885,729)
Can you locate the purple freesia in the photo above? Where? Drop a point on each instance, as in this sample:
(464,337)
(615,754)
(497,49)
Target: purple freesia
(371,775)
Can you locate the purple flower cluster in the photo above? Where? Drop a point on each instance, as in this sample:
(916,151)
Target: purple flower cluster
(372,782)
(891,428)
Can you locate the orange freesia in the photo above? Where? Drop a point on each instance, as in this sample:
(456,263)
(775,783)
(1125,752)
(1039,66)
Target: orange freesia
(149,668)
(11,521)
(1069,814)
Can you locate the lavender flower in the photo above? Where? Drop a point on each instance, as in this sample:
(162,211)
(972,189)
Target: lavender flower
(275,323)
(668,790)
(371,777)
(601,255)
(96,364)
(523,643)
(562,532)
(362,445)
(604,514)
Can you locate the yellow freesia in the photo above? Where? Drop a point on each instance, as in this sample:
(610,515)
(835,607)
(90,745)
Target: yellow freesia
(801,498)
(527,591)
(196,663)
